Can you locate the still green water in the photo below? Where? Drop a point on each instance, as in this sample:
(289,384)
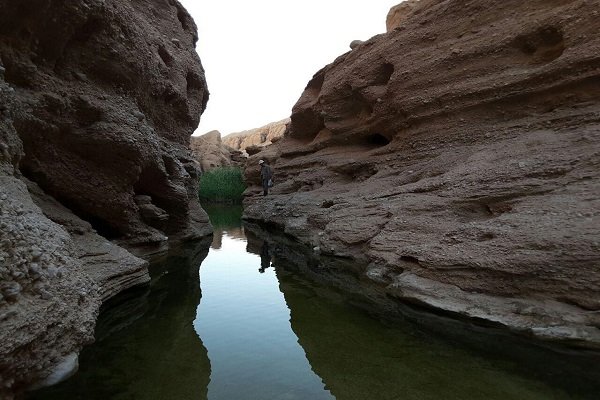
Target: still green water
(237,324)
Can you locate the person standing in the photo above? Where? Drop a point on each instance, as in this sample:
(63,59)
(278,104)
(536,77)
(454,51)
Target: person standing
(266,176)
(265,257)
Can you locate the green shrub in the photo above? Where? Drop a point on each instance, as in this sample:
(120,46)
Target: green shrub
(222,185)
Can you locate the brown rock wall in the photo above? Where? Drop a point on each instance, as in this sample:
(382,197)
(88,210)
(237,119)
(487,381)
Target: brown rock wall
(109,95)
(455,158)
(97,103)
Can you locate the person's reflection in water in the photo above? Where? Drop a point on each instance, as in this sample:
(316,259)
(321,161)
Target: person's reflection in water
(265,257)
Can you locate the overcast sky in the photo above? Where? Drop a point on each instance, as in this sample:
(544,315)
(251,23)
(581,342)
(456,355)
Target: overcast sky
(259,55)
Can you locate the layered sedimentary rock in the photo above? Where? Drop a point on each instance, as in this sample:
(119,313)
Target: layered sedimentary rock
(455,160)
(97,103)
(142,326)
(399,13)
(210,151)
(258,137)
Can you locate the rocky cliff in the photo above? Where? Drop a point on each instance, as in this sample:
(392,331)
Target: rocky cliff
(258,137)
(97,103)
(210,152)
(454,160)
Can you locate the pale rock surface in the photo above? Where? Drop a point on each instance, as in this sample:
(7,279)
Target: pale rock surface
(258,137)
(399,13)
(211,152)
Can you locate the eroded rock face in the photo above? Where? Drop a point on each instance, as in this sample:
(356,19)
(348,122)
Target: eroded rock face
(210,151)
(455,159)
(48,305)
(97,103)
(108,95)
(258,137)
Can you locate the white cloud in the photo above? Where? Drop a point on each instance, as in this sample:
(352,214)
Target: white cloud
(259,55)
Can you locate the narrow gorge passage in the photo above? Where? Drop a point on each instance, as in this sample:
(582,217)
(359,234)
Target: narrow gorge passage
(239,323)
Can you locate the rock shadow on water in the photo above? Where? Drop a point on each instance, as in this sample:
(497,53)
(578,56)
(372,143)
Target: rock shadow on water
(146,346)
(364,347)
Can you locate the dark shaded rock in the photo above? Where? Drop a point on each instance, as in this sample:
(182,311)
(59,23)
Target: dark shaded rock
(254,149)
(90,118)
(102,119)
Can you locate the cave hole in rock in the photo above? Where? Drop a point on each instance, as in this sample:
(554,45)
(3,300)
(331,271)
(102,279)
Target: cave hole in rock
(154,183)
(327,204)
(100,225)
(472,211)
(486,236)
(315,84)
(383,74)
(499,207)
(150,184)
(410,259)
(543,45)
(378,140)
(306,125)
(38,141)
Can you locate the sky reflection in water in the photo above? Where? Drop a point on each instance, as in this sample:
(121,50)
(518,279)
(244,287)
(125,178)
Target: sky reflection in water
(244,324)
(270,335)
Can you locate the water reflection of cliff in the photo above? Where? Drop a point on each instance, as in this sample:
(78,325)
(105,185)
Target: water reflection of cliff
(146,346)
(234,232)
(359,357)
(225,218)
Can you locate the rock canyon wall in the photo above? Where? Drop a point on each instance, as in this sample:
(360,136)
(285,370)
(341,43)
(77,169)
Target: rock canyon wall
(455,160)
(98,100)
(257,138)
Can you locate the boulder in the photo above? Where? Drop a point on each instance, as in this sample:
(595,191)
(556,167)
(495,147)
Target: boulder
(355,43)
